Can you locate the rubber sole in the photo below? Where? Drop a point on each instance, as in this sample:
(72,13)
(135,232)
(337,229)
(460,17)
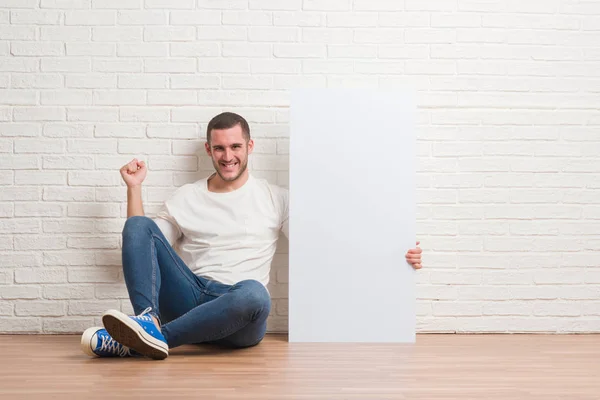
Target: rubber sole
(127,332)
(86,341)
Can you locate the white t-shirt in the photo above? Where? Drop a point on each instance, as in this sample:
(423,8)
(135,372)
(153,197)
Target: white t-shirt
(227,237)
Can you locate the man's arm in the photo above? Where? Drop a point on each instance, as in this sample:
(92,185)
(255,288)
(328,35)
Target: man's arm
(134,173)
(134,201)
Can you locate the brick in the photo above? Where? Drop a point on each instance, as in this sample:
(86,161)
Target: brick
(172,97)
(19,292)
(179,163)
(159,195)
(20,324)
(226,33)
(194,18)
(66,64)
(37,242)
(90,18)
(66,4)
(68,292)
(144,17)
(266,34)
(117,4)
(39,146)
(146,146)
(190,114)
(223,4)
(6,308)
(66,226)
(66,325)
(39,114)
(41,275)
(70,194)
(91,49)
(8,32)
(169,34)
(36,49)
(36,17)
(298,18)
(247,18)
(18,64)
(93,242)
(39,210)
(106,257)
(39,308)
(223,66)
(194,49)
(243,50)
(40,178)
(65,33)
(66,97)
(120,130)
(66,258)
(170,65)
(170,4)
(96,307)
(117,65)
(93,210)
(19,3)
(95,114)
(154,49)
(7,177)
(451,309)
(144,114)
(109,225)
(508,308)
(68,162)
(343,66)
(36,81)
(91,81)
(19,162)
(6,243)
(145,81)
(331,36)
(119,97)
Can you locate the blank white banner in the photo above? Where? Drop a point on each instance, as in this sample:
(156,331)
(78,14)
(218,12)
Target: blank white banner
(352,216)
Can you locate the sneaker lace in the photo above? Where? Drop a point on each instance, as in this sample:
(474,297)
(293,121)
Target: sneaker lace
(145,316)
(111,345)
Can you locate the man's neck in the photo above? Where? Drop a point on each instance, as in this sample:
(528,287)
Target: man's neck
(218,185)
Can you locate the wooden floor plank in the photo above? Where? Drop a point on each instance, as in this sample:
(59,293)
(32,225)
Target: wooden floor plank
(436,367)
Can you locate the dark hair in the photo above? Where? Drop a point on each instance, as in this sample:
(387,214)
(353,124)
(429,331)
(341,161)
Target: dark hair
(228,120)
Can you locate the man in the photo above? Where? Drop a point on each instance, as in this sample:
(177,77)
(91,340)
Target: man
(227,226)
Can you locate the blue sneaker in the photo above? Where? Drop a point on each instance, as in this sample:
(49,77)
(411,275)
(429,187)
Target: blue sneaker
(96,342)
(138,333)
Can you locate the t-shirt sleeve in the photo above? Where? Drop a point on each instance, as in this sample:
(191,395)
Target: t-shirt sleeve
(285,215)
(168,225)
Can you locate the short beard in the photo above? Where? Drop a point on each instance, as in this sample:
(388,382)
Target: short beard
(243,168)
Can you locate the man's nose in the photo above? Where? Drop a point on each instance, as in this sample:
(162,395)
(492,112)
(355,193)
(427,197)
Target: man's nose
(228,154)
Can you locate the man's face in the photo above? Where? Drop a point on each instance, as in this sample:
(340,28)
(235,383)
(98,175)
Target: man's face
(229,151)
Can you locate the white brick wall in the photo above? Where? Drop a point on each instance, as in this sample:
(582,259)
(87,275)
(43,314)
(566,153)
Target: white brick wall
(508,148)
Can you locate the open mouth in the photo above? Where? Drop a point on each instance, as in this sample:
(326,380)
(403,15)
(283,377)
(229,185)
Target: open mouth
(229,166)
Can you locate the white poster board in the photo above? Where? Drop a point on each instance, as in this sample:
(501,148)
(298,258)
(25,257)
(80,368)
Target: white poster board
(352,216)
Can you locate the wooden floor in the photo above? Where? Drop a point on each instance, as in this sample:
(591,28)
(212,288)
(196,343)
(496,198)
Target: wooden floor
(436,367)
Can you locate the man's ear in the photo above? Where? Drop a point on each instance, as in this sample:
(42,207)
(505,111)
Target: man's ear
(250,146)
(207,148)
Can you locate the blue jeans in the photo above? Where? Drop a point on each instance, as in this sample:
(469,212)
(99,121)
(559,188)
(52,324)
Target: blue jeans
(191,309)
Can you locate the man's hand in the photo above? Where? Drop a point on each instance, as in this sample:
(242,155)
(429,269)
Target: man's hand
(134,172)
(413,256)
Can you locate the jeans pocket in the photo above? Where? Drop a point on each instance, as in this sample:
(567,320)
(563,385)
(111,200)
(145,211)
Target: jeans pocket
(214,288)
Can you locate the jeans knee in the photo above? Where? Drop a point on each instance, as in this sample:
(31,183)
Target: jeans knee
(137,224)
(254,297)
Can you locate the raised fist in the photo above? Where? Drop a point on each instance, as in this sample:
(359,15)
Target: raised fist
(134,172)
